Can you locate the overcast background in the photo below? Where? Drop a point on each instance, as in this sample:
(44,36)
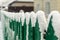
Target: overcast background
(6,2)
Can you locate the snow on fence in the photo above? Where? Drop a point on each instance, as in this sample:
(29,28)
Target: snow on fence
(30,26)
(55,24)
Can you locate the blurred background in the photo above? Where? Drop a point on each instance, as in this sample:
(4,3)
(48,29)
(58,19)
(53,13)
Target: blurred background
(30,5)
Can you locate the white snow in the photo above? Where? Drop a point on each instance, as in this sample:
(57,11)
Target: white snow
(33,18)
(51,14)
(1,31)
(42,22)
(55,22)
(27,16)
(22,16)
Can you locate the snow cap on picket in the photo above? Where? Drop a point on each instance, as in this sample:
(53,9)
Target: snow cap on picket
(56,22)
(42,20)
(27,16)
(51,14)
(21,11)
(33,18)
(22,16)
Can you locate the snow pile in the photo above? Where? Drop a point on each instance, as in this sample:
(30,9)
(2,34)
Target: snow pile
(55,22)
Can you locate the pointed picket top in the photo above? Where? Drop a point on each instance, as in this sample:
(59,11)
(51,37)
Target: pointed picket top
(19,16)
(27,16)
(21,11)
(33,18)
(30,30)
(22,16)
(25,21)
(56,22)
(42,20)
(50,25)
(30,23)
(37,23)
(51,31)
(37,33)
(21,21)
(53,13)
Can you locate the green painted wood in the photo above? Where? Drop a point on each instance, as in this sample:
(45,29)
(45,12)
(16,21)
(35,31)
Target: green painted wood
(5,31)
(50,32)
(24,30)
(5,34)
(37,34)
(30,31)
(20,30)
